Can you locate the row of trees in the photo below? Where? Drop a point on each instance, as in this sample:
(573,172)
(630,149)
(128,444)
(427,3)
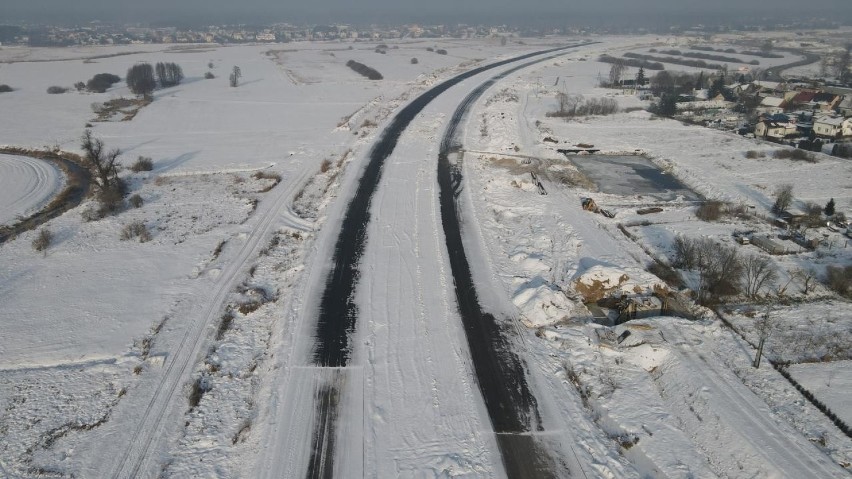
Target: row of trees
(577,105)
(142,78)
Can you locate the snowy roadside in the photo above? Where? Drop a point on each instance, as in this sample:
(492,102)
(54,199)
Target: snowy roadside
(638,391)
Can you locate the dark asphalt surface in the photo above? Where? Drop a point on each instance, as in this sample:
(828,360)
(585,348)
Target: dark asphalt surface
(500,370)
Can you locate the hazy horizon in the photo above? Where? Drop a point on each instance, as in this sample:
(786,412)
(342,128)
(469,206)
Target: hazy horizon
(532,12)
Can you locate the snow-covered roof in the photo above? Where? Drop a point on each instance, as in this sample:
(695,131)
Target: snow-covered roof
(771,101)
(830,120)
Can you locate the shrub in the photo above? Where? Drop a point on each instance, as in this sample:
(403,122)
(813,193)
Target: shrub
(135,201)
(209,76)
(430,49)
(798,155)
(143,163)
(92,214)
(101,82)
(5,88)
(80,86)
(753,154)
(665,273)
(42,240)
(839,278)
(709,211)
(136,229)
(414,61)
(364,70)
(325,165)
(56,90)
(441,51)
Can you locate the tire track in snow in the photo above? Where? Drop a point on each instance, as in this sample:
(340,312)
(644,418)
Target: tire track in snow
(338,311)
(500,372)
(26,184)
(754,423)
(137,456)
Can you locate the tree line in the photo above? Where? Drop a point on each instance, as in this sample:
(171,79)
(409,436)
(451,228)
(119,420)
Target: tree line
(142,78)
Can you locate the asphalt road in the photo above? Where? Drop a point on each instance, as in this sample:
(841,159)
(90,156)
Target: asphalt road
(496,366)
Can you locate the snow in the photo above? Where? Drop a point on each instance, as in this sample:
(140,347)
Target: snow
(104,339)
(26,185)
(830,382)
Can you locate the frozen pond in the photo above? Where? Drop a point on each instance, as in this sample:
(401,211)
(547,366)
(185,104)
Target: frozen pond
(631,175)
(26,184)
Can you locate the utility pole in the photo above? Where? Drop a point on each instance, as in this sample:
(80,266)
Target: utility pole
(763,330)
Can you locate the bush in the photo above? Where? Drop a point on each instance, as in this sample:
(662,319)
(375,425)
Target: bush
(798,155)
(5,88)
(135,201)
(430,49)
(136,229)
(414,61)
(56,90)
(80,86)
(441,51)
(101,82)
(753,154)
(42,241)
(209,76)
(364,70)
(143,163)
(325,166)
(839,278)
(709,211)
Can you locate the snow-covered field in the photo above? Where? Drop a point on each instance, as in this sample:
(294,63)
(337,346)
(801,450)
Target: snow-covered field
(184,356)
(26,184)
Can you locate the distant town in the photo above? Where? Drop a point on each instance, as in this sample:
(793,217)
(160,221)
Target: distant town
(104,33)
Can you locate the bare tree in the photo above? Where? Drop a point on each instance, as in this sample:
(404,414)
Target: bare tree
(842,63)
(758,272)
(104,165)
(236,74)
(783,197)
(807,277)
(140,79)
(616,71)
(661,83)
(568,103)
(720,268)
(169,74)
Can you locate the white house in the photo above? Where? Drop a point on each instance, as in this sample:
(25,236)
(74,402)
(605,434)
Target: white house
(828,126)
(771,105)
(773,129)
(846,128)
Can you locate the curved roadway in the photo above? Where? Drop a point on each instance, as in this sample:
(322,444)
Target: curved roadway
(510,406)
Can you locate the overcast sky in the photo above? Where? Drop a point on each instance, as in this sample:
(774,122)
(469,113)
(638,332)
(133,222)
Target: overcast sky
(365,11)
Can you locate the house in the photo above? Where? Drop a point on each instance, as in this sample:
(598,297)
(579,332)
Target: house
(773,129)
(827,101)
(846,127)
(828,126)
(771,104)
(845,106)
